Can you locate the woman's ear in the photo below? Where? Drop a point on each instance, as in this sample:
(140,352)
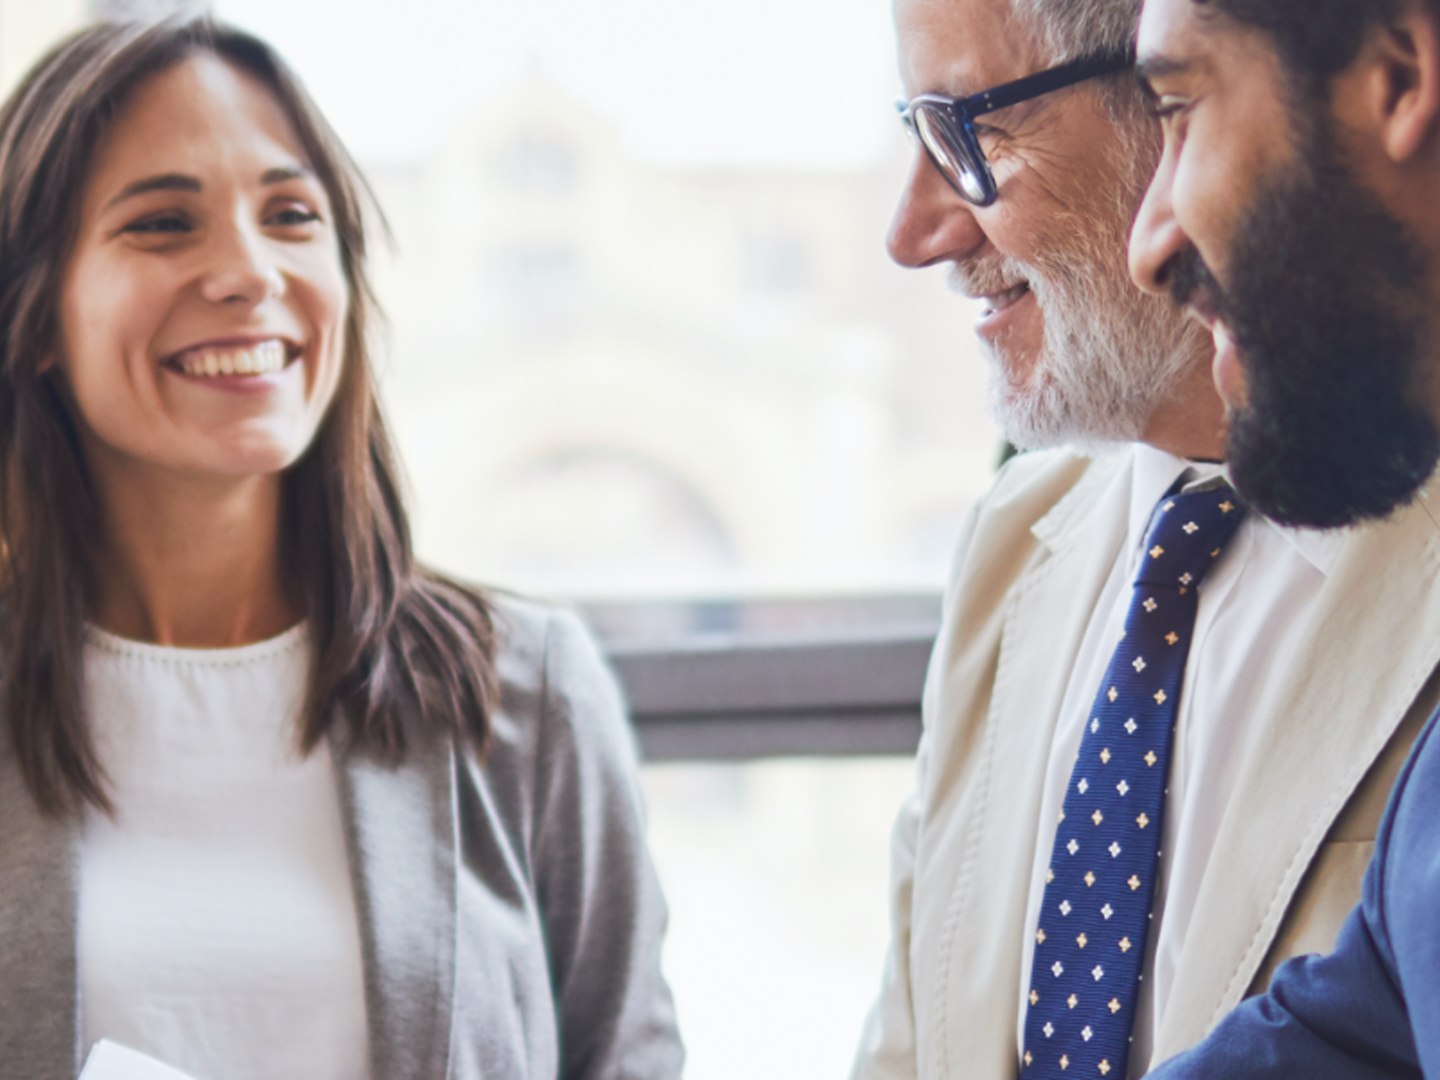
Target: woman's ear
(1404,57)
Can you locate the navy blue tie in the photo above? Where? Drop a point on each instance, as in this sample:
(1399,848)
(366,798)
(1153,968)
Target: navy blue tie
(1100,885)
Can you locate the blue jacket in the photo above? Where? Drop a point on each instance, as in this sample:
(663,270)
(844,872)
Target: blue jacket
(1371,1008)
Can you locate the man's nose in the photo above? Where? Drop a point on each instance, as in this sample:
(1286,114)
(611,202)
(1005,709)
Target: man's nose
(242,267)
(1156,237)
(932,223)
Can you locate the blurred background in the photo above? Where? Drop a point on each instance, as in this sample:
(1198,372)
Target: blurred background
(647,352)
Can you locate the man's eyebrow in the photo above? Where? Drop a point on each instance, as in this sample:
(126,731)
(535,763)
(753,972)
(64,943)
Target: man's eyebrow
(165,182)
(1158,67)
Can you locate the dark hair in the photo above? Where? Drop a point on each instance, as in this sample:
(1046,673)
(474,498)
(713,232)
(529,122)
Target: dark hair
(393,645)
(1316,39)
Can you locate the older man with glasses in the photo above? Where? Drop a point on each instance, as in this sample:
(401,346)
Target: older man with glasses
(1126,815)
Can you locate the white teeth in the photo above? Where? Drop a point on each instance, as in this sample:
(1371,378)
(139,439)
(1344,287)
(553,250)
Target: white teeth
(996,301)
(261,359)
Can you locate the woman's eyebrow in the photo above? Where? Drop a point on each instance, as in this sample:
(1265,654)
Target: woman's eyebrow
(290,172)
(181,182)
(164,182)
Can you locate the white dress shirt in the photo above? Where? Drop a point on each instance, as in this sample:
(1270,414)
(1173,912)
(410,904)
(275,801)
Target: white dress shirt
(1253,603)
(217,923)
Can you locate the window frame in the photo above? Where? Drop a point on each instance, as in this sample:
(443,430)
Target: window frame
(743,696)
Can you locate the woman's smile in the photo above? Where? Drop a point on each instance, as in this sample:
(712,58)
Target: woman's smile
(238,367)
(233,358)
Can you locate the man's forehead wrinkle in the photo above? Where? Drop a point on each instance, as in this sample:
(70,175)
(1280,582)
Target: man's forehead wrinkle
(962,47)
(951,72)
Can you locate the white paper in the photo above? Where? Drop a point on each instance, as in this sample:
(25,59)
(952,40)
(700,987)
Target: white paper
(111,1061)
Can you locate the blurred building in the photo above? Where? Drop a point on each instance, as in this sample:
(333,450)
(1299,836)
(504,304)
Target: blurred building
(609,376)
(29,27)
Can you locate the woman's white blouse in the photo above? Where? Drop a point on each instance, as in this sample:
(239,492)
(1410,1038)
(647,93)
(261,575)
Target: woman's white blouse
(217,927)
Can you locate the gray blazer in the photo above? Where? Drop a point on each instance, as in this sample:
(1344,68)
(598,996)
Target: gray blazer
(510,917)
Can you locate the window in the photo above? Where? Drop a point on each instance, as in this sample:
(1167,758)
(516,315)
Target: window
(639,265)
(537,163)
(770,811)
(647,354)
(776,262)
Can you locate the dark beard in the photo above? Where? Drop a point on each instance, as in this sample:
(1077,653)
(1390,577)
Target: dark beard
(1324,303)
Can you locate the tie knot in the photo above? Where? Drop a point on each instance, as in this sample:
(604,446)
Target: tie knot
(1187,534)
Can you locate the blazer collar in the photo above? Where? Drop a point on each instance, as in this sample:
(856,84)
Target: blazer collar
(1149,473)
(402,826)
(1094,506)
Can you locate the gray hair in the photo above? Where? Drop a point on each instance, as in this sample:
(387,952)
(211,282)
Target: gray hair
(1071,29)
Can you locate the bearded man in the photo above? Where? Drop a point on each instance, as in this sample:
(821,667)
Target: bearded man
(1151,768)
(1294,213)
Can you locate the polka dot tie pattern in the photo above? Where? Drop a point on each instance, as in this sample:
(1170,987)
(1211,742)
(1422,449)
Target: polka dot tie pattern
(1100,884)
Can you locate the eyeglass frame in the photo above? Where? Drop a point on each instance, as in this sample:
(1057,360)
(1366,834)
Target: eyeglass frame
(958,114)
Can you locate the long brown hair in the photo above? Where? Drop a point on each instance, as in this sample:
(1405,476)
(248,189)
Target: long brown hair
(394,646)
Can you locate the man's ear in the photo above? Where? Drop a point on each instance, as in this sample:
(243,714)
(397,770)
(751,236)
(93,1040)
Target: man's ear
(1404,60)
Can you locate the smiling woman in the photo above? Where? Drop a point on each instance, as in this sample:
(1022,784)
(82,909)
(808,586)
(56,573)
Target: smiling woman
(202,312)
(278,801)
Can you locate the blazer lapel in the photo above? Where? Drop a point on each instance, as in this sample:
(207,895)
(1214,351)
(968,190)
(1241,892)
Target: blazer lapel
(402,834)
(1370,648)
(1040,626)
(39,1025)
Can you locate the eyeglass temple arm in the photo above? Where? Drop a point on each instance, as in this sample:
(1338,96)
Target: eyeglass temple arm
(1043,82)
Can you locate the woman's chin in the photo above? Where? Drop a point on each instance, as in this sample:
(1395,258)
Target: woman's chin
(239,456)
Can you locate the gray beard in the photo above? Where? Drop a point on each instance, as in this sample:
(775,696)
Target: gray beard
(1106,365)
(1111,355)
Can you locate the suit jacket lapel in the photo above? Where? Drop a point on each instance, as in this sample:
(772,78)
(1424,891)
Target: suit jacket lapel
(39,1025)
(403,854)
(1045,616)
(1372,644)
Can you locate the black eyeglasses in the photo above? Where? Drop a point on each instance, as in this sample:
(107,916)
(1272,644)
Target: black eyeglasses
(945,126)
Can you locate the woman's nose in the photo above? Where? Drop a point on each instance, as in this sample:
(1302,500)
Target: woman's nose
(242,268)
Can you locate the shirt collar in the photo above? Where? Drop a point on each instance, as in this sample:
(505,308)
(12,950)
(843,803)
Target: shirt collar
(1156,472)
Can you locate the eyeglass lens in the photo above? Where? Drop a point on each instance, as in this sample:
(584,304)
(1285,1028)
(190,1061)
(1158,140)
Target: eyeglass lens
(951,151)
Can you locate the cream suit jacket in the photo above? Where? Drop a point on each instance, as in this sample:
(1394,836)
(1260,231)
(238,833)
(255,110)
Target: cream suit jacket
(1032,559)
